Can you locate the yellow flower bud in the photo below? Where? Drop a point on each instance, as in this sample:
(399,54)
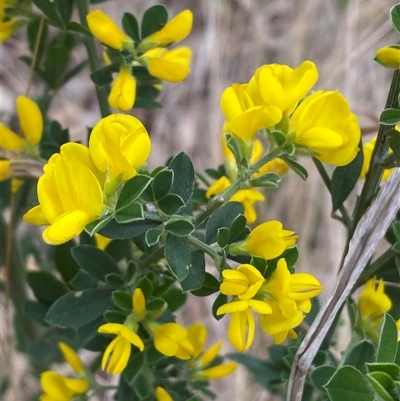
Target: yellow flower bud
(162,395)
(106,30)
(389,56)
(123,91)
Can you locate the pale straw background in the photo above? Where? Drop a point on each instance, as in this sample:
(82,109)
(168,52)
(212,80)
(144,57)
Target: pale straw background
(230,39)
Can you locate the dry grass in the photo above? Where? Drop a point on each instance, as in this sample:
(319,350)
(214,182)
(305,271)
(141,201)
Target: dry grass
(230,40)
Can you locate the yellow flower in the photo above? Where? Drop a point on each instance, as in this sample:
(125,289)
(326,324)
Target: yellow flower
(174,30)
(139,304)
(218,186)
(119,348)
(244,282)
(31,122)
(123,91)
(107,31)
(119,144)
(168,65)
(101,242)
(324,123)
(243,117)
(9,23)
(389,56)
(200,364)
(268,240)
(60,388)
(367,150)
(373,302)
(171,339)
(162,394)
(63,204)
(281,86)
(5,170)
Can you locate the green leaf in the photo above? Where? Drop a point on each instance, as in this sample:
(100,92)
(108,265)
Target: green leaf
(170,204)
(349,384)
(383,385)
(219,301)
(235,146)
(116,230)
(394,143)
(45,286)
(50,11)
(142,387)
(135,365)
(148,104)
(395,17)
(210,286)
(76,27)
(387,345)
(177,253)
(132,190)
(36,311)
(97,225)
(162,183)
(122,299)
(344,179)
(94,261)
(55,63)
(175,298)
(183,182)
(296,167)
(133,212)
(115,280)
(64,261)
(223,217)
(268,180)
(82,281)
(104,77)
(153,236)
(197,271)
(64,8)
(180,228)
(359,355)
(77,309)
(321,375)
(115,316)
(131,26)
(153,20)
(392,369)
(223,237)
(236,228)
(125,392)
(147,91)
(389,117)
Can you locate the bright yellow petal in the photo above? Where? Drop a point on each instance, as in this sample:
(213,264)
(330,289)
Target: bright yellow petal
(110,328)
(139,303)
(5,170)
(123,91)
(36,216)
(162,395)
(388,56)
(174,30)
(208,356)
(53,384)
(106,30)
(9,140)
(218,186)
(132,337)
(219,371)
(197,335)
(71,357)
(30,118)
(303,286)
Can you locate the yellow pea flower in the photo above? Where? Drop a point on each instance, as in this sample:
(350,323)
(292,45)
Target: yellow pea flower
(162,394)
(5,170)
(57,387)
(243,117)
(119,144)
(171,339)
(367,150)
(324,123)
(9,24)
(388,56)
(117,353)
(243,282)
(101,242)
(63,204)
(247,197)
(174,30)
(373,302)
(139,304)
(268,240)
(200,364)
(31,122)
(107,31)
(281,86)
(123,91)
(168,65)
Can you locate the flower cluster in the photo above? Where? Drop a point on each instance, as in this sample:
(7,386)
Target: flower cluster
(11,18)
(281,300)
(118,146)
(151,52)
(57,387)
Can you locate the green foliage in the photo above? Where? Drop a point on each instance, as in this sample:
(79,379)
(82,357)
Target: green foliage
(389,117)
(153,20)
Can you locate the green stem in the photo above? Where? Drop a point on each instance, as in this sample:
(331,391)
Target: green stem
(276,153)
(190,239)
(102,93)
(325,178)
